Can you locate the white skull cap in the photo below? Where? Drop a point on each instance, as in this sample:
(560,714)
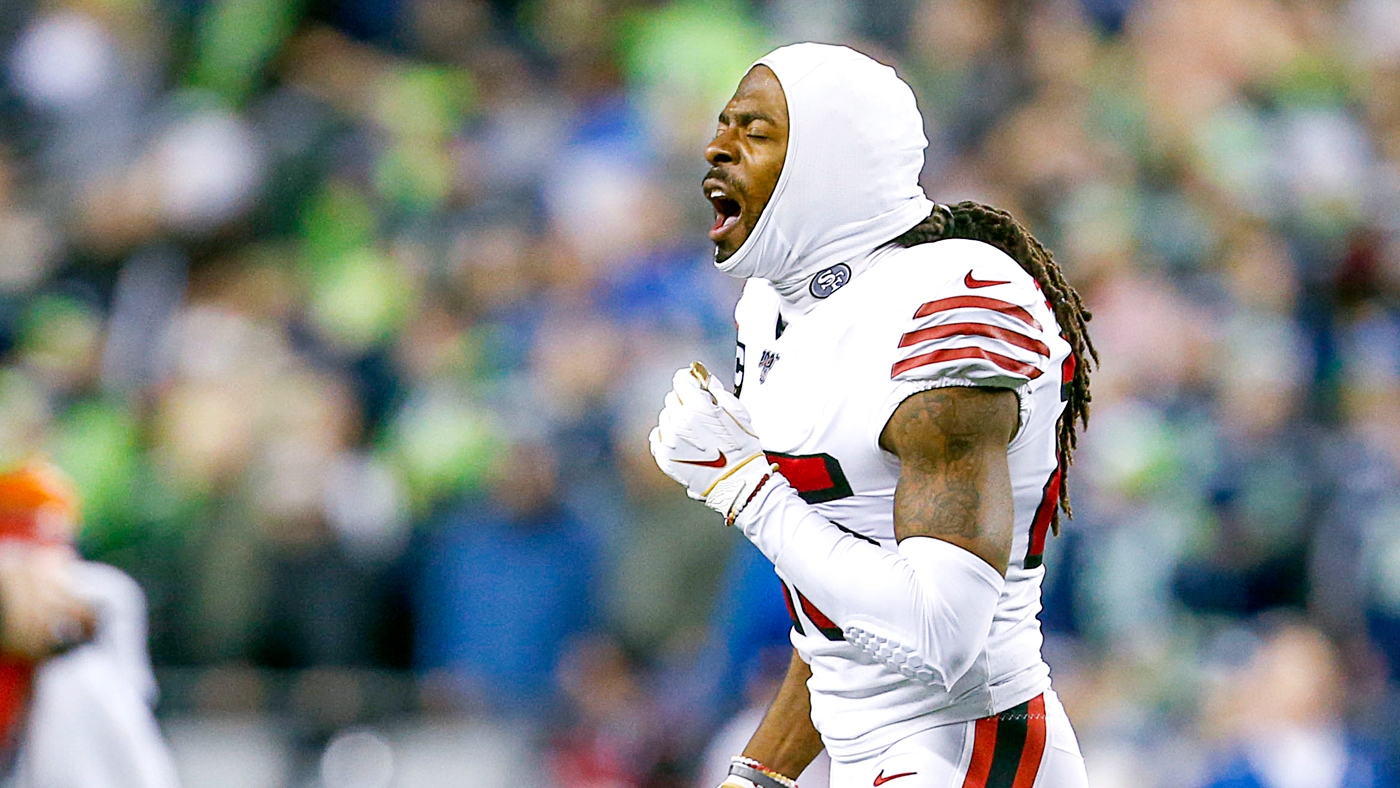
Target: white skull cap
(850,182)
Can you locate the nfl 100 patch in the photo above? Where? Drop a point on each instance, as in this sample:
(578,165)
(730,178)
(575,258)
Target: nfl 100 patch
(765,363)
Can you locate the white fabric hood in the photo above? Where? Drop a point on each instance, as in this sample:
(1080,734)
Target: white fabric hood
(850,181)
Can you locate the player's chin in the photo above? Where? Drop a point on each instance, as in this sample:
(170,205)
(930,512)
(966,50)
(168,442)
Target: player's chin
(728,243)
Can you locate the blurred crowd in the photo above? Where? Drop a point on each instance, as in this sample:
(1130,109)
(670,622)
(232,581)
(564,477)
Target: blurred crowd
(349,318)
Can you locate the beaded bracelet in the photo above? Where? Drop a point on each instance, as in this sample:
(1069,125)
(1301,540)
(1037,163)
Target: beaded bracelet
(758,774)
(734,515)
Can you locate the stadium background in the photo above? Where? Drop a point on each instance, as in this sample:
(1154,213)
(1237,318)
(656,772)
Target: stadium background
(349,319)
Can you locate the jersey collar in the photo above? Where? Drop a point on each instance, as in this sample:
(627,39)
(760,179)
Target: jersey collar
(802,295)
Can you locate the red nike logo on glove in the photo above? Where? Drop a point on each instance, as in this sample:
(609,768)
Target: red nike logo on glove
(976,283)
(881,779)
(717,462)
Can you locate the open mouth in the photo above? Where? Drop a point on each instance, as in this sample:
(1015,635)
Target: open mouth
(727,212)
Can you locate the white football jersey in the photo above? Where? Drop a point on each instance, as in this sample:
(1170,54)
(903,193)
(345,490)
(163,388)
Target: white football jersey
(820,391)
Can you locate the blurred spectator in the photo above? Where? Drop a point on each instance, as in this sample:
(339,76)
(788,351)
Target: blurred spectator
(505,583)
(611,737)
(1281,718)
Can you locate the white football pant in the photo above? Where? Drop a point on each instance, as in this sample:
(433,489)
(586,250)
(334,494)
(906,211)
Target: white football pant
(1028,746)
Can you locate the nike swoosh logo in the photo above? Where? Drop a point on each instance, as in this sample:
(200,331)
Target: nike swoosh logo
(881,779)
(717,462)
(973,284)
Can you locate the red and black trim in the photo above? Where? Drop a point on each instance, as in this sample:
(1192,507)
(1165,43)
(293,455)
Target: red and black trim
(824,625)
(792,610)
(818,478)
(820,620)
(1044,518)
(1007,748)
(1066,374)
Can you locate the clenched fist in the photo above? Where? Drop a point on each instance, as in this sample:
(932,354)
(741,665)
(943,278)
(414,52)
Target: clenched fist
(40,615)
(705,441)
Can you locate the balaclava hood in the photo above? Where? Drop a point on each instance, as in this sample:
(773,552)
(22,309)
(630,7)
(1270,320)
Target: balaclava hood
(850,181)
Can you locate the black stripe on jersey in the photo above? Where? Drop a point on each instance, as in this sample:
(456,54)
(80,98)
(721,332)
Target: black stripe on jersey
(861,537)
(1011,740)
(792,610)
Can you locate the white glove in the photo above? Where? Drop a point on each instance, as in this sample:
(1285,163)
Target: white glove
(705,441)
(734,781)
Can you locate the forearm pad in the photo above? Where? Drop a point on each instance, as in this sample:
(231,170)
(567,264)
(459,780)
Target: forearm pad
(925,610)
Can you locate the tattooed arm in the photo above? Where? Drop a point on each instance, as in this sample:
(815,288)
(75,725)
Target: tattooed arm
(954,483)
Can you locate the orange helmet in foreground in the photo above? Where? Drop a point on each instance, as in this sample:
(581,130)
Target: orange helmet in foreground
(38,503)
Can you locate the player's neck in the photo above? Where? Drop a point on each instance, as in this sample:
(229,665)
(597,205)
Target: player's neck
(804,293)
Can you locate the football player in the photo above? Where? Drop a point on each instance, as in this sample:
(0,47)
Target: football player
(909,380)
(76,687)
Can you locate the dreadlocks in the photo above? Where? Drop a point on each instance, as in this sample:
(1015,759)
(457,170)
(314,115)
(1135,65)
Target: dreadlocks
(978,222)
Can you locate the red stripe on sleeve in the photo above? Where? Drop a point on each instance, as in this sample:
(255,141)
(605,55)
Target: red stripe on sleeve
(958,302)
(818,617)
(1035,745)
(975,329)
(953,354)
(984,745)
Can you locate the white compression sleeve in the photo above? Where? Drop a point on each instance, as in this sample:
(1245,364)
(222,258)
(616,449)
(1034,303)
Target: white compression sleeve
(925,610)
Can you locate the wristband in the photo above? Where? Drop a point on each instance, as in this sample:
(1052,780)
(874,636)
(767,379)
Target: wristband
(758,774)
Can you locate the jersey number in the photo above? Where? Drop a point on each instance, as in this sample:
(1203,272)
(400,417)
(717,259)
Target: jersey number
(818,478)
(1044,516)
(738,368)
